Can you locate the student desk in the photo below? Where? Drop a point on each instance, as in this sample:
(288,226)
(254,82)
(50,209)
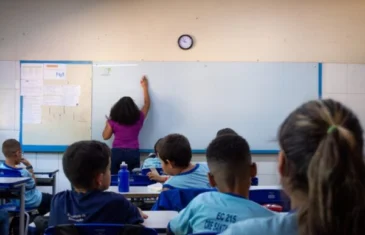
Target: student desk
(157,220)
(17,184)
(265,187)
(49,181)
(137,192)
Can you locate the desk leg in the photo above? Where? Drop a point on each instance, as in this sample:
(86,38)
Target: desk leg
(22,210)
(54,185)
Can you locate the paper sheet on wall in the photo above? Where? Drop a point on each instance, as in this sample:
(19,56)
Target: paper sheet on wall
(32,109)
(32,71)
(54,71)
(72,90)
(53,100)
(53,90)
(71,100)
(31,91)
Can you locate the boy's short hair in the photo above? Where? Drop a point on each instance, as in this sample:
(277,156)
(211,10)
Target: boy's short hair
(229,156)
(176,148)
(226,131)
(84,160)
(10,146)
(158,145)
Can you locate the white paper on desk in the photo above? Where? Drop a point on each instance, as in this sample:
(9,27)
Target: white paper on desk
(31,91)
(31,71)
(54,71)
(72,90)
(53,90)
(53,100)
(32,109)
(71,100)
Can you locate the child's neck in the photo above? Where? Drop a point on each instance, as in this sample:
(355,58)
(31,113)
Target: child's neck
(188,168)
(9,162)
(241,189)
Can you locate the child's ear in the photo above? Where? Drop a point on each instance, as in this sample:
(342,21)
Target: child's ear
(281,163)
(170,164)
(99,180)
(211,180)
(253,170)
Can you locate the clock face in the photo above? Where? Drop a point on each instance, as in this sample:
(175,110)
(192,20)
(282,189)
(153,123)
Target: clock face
(185,42)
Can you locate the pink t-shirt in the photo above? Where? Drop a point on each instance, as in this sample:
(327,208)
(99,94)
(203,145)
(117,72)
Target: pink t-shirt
(126,136)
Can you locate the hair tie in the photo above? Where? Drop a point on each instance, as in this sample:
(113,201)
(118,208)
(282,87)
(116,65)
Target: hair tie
(331,129)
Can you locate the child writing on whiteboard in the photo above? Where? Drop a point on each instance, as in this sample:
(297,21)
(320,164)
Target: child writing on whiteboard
(125,122)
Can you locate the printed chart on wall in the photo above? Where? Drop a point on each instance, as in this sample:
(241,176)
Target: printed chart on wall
(56,104)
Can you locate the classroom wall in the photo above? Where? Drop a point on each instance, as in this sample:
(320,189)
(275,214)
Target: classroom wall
(224,30)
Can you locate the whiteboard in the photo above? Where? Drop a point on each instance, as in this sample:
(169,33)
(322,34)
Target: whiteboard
(60,125)
(197,99)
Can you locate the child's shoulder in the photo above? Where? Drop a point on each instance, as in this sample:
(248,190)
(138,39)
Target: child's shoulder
(276,225)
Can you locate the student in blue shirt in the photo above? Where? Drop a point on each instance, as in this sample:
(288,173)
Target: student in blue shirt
(322,170)
(152,161)
(231,170)
(87,166)
(175,155)
(33,197)
(4,222)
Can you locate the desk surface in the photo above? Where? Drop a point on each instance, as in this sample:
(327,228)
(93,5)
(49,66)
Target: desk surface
(261,187)
(156,219)
(136,191)
(45,171)
(144,191)
(6,182)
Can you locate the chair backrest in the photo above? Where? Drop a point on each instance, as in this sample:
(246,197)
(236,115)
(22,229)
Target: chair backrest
(10,173)
(177,199)
(99,229)
(270,196)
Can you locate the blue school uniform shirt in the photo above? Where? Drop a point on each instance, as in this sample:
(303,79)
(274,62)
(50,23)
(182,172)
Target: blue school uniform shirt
(152,162)
(280,224)
(70,207)
(214,212)
(195,178)
(33,196)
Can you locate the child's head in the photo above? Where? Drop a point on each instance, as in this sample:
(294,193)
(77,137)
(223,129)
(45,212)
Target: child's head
(322,168)
(175,154)
(87,165)
(157,146)
(12,151)
(125,111)
(226,131)
(230,164)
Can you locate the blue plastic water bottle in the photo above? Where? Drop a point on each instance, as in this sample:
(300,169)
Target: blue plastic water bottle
(123,178)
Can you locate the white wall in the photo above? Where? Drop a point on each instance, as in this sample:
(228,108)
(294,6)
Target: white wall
(224,30)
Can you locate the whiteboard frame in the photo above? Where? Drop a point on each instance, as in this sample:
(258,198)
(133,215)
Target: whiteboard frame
(62,148)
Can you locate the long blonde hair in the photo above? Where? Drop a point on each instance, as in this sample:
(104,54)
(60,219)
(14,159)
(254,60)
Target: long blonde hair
(322,142)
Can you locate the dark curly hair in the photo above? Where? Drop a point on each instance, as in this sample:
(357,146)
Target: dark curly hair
(125,111)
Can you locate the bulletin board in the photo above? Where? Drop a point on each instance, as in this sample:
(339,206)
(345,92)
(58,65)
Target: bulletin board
(55,104)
